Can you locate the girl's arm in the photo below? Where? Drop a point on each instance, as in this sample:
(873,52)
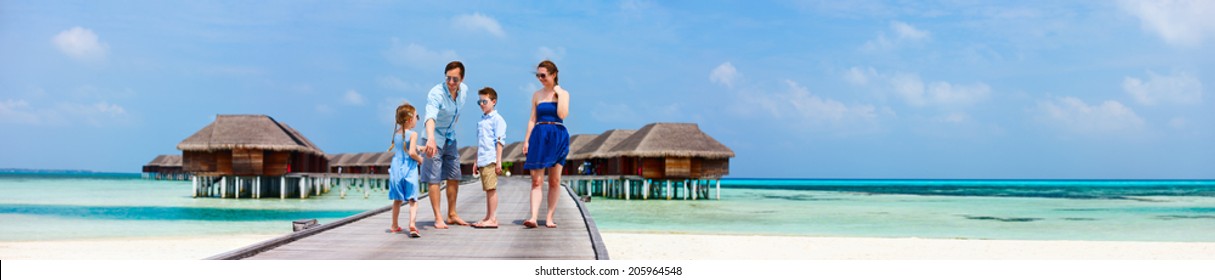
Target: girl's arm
(563,102)
(413,148)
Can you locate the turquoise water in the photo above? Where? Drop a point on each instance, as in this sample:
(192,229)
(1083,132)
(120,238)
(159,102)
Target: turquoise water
(87,206)
(962,209)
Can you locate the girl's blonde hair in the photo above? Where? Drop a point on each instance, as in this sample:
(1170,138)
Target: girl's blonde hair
(404,113)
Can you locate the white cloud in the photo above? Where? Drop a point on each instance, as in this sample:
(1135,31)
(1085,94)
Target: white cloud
(479,22)
(550,54)
(909,87)
(80,43)
(913,91)
(324,109)
(724,74)
(1181,88)
(17,111)
(615,113)
(418,56)
(394,83)
(353,97)
(1073,115)
(1178,22)
(97,114)
(904,34)
(818,109)
(860,77)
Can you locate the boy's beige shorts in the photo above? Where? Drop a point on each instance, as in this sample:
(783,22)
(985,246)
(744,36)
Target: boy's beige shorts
(489,177)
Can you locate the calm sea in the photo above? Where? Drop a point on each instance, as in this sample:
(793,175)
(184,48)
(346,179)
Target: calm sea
(1172,210)
(87,206)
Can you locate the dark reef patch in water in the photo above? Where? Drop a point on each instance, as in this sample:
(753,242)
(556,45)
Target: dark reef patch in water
(800,197)
(1079,219)
(1011,220)
(1181,217)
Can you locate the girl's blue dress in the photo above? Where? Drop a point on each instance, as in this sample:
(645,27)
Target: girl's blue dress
(549,143)
(402,173)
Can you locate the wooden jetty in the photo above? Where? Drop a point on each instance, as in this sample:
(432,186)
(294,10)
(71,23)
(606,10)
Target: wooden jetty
(363,236)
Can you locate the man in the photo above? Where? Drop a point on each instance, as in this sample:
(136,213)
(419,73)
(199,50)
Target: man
(441,162)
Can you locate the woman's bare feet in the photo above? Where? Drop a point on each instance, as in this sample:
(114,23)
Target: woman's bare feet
(529,224)
(550,224)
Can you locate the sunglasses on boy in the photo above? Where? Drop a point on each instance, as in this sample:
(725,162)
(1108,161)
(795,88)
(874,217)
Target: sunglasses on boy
(482,101)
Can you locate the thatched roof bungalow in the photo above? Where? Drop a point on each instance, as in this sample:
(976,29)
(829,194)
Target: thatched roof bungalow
(596,150)
(673,150)
(577,142)
(248,145)
(468,159)
(513,153)
(164,166)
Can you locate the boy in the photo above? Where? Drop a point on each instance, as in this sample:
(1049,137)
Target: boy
(491,136)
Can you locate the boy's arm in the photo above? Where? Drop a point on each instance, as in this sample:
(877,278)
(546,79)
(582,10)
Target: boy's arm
(498,145)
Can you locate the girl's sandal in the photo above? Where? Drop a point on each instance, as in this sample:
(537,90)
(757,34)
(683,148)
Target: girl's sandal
(413,233)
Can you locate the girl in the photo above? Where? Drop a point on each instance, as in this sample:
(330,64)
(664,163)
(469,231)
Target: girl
(403,172)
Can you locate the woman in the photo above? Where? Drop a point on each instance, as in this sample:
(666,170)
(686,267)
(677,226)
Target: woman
(547,141)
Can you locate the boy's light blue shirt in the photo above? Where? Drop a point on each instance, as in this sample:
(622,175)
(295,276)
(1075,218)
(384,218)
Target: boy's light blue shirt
(444,111)
(491,131)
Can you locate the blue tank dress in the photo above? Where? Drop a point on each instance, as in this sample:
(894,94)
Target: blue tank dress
(402,173)
(549,143)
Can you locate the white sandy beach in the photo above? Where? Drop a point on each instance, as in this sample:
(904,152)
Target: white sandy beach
(645,246)
(164,248)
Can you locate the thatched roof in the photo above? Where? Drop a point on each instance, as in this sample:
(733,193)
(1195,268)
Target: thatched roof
(468,155)
(671,139)
(579,141)
(381,159)
(334,158)
(513,152)
(248,132)
(165,161)
(600,145)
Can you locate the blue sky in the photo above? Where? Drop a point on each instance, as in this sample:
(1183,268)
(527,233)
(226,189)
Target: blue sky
(801,89)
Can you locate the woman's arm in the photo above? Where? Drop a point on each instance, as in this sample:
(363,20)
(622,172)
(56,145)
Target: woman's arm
(563,102)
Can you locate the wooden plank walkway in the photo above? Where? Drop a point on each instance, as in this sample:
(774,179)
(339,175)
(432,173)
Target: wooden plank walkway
(363,237)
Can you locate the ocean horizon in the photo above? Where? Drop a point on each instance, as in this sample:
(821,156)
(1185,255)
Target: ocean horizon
(39,206)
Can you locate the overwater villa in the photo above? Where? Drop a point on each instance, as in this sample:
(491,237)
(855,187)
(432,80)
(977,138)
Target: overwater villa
(574,165)
(595,152)
(165,167)
(251,156)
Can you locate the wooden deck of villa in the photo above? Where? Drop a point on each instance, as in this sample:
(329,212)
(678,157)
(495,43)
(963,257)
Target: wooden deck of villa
(363,236)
